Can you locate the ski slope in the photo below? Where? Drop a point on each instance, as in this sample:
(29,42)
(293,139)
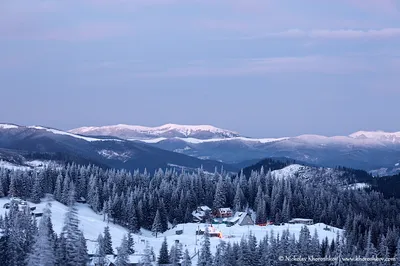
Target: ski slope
(92,225)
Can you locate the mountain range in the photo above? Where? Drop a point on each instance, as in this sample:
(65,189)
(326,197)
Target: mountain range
(20,145)
(374,151)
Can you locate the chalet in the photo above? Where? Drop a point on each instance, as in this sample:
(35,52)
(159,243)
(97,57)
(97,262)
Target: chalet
(201,214)
(240,218)
(223,213)
(301,221)
(204,208)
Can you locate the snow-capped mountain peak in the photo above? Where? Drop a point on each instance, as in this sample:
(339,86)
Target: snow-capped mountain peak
(377,135)
(167,131)
(8,126)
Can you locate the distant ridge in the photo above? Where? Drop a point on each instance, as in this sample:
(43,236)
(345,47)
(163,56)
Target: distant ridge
(167,130)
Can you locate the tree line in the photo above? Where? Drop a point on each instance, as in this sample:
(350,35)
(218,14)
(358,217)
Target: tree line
(152,201)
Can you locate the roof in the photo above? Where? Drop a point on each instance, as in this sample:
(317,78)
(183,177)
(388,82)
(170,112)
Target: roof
(225,209)
(300,220)
(238,217)
(205,208)
(198,214)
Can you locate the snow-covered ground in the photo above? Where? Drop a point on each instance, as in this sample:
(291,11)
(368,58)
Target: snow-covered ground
(28,165)
(198,141)
(288,171)
(8,126)
(11,166)
(59,132)
(92,225)
(359,186)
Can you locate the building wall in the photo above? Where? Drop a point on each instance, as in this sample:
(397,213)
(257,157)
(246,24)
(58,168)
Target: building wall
(247,221)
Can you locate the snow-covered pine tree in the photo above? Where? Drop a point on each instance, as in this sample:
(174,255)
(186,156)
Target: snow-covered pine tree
(205,256)
(107,241)
(43,249)
(244,254)
(238,199)
(20,233)
(186,259)
(72,234)
(220,194)
(304,243)
(157,224)
(164,258)
(131,243)
(1,186)
(66,190)
(163,216)
(82,249)
(58,188)
(123,253)
(370,250)
(146,259)
(175,254)
(220,257)
(100,253)
(37,189)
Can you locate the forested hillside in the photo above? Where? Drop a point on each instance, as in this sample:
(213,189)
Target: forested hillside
(141,200)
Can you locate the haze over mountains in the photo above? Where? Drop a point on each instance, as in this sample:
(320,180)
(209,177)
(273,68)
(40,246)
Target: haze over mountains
(375,151)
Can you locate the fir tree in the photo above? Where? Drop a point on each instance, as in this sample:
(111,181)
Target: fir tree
(43,251)
(205,257)
(175,254)
(370,250)
(123,253)
(157,226)
(186,259)
(73,248)
(164,258)
(220,195)
(101,254)
(107,241)
(36,190)
(147,259)
(131,244)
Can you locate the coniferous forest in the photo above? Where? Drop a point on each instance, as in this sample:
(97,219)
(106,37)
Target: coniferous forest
(155,201)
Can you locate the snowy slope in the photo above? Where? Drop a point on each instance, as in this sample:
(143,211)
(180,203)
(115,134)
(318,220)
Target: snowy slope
(27,165)
(92,224)
(199,141)
(321,175)
(377,136)
(168,130)
(59,132)
(11,166)
(8,126)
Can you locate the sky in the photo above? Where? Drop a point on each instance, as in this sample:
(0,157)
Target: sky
(264,68)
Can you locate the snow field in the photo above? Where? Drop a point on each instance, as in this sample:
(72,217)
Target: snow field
(92,225)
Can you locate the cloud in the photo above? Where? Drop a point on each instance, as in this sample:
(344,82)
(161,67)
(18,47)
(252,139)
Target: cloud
(265,66)
(341,34)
